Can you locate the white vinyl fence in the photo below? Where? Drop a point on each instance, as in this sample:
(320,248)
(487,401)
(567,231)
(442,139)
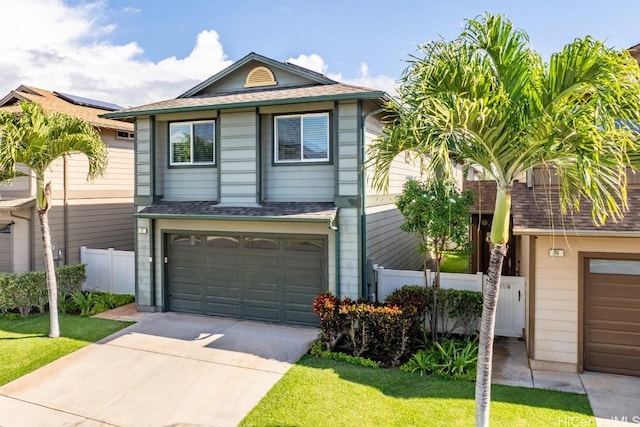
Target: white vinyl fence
(510,316)
(109,270)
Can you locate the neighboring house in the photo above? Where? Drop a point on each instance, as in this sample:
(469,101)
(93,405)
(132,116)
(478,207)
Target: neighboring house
(582,281)
(97,214)
(251,197)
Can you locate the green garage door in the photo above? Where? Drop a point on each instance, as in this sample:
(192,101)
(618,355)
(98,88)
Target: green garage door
(266,278)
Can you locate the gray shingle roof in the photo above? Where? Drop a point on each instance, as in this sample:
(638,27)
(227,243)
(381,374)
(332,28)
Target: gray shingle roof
(254,98)
(271,210)
(17,204)
(538,208)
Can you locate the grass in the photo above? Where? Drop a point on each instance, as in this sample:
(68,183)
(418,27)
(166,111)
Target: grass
(455,262)
(319,392)
(25,347)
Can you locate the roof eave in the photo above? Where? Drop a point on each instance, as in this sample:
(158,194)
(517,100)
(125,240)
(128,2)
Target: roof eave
(234,217)
(520,231)
(364,95)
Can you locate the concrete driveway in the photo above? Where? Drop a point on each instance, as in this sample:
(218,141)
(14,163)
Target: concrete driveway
(168,370)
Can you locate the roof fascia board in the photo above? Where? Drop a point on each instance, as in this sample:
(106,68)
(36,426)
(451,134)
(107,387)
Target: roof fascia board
(574,233)
(352,96)
(233,217)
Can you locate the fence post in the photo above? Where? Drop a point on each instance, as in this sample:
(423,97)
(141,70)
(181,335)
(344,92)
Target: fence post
(83,260)
(480,281)
(110,258)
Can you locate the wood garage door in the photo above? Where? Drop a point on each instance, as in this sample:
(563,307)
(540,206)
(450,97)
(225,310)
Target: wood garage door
(257,277)
(612,316)
(6,257)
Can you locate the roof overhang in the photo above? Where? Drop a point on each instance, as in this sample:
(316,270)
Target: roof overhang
(573,232)
(17,204)
(258,103)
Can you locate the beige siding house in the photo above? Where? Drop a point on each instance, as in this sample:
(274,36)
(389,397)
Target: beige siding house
(251,197)
(582,281)
(96,214)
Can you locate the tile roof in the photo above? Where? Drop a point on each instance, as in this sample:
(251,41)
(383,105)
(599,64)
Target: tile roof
(254,98)
(53,103)
(280,210)
(16,204)
(538,208)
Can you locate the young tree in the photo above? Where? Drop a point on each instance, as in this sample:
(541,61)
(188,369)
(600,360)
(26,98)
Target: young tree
(488,98)
(438,214)
(35,139)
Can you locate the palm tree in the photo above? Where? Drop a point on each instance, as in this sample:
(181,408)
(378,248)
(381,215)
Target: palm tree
(35,139)
(487,98)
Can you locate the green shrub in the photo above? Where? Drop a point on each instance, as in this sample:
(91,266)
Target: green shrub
(70,278)
(456,358)
(463,307)
(332,323)
(317,350)
(66,305)
(23,291)
(85,301)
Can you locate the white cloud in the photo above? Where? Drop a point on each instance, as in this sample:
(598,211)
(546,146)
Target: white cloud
(316,63)
(67,54)
(70,53)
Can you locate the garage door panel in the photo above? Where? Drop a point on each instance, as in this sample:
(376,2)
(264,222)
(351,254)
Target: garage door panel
(300,317)
(230,292)
(613,363)
(620,314)
(615,289)
(614,337)
(262,278)
(612,316)
(262,313)
(186,305)
(222,308)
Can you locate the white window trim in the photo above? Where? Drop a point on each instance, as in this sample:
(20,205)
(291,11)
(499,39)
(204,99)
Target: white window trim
(130,134)
(301,159)
(192,163)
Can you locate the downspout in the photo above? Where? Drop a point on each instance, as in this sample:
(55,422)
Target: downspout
(363,189)
(65,196)
(152,226)
(337,256)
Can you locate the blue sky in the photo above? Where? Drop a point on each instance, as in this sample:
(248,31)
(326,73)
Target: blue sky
(137,51)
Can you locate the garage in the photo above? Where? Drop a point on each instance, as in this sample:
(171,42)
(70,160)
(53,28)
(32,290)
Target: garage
(612,315)
(272,278)
(5,248)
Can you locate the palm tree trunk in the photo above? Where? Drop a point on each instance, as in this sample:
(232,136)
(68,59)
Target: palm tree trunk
(499,241)
(52,284)
(487,329)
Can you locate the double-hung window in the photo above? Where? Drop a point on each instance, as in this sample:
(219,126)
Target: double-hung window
(192,143)
(301,138)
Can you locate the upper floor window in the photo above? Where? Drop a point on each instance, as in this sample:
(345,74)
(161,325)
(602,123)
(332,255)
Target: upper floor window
(301,138)
(192,143)
(124,134)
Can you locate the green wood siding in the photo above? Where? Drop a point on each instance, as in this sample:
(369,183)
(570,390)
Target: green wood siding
(238,161)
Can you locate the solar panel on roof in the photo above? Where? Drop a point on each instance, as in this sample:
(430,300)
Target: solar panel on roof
(88,102)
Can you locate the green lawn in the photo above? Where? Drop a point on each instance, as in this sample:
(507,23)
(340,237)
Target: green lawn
(320,392)
(455,262)
(24,345)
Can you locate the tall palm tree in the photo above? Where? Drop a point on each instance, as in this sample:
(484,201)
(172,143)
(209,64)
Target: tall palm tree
(35,139)
(487,98)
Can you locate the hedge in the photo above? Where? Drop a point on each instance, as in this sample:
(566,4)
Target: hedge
(24,291)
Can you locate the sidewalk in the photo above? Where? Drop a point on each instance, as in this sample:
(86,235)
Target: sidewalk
(615,399)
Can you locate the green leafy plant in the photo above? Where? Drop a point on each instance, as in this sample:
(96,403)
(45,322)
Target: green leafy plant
(458,358)
(422,362)
(66,305)
(85,301)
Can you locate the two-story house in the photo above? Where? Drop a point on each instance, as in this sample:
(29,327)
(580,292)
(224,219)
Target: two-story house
(252,199)
(96,214)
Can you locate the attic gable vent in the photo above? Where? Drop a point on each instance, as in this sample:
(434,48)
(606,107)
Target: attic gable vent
(260,76)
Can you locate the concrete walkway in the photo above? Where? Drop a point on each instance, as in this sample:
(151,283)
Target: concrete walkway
(615,399)
(166,370)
